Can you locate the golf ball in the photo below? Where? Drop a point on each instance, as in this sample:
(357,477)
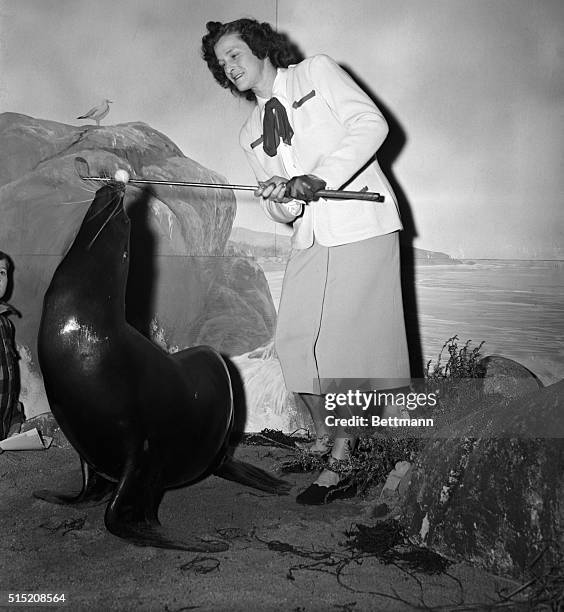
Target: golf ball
(122,176)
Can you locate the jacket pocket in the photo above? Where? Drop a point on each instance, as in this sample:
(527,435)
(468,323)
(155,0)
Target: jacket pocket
(309,96)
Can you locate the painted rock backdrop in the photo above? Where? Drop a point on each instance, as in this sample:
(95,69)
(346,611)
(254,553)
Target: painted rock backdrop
(183,288)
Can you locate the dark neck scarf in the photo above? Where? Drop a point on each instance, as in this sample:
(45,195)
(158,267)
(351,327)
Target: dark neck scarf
(275,126)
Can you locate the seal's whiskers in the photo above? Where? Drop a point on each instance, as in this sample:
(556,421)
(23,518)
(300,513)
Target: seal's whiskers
(90,191)
(76,202)
(110,217)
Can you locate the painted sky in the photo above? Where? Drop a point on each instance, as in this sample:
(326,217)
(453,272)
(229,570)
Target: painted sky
(476,87)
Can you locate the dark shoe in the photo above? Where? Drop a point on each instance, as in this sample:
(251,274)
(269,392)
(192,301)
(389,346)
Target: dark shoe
(316,495)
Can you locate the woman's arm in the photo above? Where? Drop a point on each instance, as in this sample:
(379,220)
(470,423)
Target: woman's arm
(366,128)
(282,212)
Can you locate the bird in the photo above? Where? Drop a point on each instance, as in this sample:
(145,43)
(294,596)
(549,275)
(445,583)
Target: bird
(98,112)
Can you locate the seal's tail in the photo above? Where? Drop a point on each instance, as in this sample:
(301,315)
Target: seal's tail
(247,474)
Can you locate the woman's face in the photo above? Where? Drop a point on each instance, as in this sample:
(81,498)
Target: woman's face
(244,69)
(3,277)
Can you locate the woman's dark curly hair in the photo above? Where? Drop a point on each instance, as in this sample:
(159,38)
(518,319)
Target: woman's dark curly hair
(261,39)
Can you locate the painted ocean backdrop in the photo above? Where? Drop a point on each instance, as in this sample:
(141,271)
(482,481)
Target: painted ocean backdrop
(516,307)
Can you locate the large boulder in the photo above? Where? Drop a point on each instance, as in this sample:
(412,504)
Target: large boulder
(238,306)
(507,378)
(489,487)
(182,288)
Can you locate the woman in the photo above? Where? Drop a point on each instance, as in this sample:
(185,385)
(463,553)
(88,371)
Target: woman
(340,322)
(11,414)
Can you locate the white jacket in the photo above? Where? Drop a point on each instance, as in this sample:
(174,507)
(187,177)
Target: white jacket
(337,131)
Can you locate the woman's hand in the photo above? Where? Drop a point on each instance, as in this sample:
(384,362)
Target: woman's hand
(273,189)
(305,187)
(279,189)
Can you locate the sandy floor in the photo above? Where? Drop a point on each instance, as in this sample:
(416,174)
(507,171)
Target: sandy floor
(54,549)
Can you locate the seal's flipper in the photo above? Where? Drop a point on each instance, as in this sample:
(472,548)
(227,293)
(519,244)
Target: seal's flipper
(95,490)
(247,474)
(143,534)
(132,511)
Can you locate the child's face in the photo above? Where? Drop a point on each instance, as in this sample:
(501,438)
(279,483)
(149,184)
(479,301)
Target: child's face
(3,277)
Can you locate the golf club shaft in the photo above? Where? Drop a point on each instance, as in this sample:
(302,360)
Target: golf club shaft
(323,193)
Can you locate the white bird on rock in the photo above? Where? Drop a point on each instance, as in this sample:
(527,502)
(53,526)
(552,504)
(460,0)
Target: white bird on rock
(98,112)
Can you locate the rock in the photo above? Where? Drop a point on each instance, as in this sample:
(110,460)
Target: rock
(269,404)
(182,289)
(507,377)
(389,502)
(405,481)
(490,487)
(238,314)
(47,426)
(396,476)
(44,192)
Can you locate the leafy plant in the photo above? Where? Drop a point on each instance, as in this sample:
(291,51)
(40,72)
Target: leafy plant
(461,363)
(455,377)
(374,457)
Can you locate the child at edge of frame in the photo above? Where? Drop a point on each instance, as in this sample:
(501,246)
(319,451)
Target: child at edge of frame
(11,409)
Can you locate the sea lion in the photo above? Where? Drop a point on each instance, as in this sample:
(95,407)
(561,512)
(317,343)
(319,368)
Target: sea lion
(137,415)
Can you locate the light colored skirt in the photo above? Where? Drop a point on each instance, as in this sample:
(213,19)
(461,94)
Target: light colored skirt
(341,317)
